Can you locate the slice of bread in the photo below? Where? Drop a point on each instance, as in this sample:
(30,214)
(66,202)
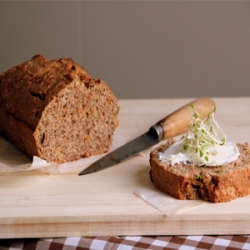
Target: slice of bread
(215,184)
(55,110)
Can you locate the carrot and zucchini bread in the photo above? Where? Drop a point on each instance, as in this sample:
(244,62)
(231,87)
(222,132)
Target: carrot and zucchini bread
(55,110)
(202,164)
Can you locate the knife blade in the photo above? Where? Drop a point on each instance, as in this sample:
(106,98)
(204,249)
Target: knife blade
(172,125)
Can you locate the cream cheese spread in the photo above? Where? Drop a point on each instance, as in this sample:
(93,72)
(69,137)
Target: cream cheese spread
(217,154)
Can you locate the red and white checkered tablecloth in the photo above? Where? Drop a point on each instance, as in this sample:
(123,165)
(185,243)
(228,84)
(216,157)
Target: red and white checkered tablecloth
(130,242)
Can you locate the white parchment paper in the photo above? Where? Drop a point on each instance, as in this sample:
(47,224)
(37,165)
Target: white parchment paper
(165,203)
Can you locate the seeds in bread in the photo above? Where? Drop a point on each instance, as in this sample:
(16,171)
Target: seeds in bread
(55,110)
(215,184)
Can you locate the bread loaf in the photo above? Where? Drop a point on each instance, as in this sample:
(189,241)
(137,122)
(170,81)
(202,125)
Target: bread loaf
(215,184)
(55,110)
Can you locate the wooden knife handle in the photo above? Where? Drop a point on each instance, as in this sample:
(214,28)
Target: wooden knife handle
(177,122)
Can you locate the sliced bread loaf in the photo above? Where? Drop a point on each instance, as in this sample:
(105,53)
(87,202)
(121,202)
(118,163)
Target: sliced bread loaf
(54,109)
(215,184)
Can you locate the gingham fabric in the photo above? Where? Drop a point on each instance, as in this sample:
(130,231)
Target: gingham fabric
(129,243)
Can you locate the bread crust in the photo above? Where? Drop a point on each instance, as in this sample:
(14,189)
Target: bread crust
(214,184)
(55,110)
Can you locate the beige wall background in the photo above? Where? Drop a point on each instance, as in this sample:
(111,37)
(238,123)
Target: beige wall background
(142,49)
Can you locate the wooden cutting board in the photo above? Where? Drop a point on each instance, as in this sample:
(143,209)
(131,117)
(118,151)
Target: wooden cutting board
(35,204)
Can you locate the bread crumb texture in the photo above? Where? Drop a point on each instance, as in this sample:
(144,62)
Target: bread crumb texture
(55,110)
(214,184)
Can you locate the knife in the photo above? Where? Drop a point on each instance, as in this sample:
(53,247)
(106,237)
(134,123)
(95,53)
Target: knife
(174,124)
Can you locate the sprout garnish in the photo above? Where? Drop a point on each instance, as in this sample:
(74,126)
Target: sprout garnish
(202,135)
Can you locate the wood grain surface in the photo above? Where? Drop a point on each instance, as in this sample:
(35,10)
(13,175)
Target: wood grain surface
(35,204)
